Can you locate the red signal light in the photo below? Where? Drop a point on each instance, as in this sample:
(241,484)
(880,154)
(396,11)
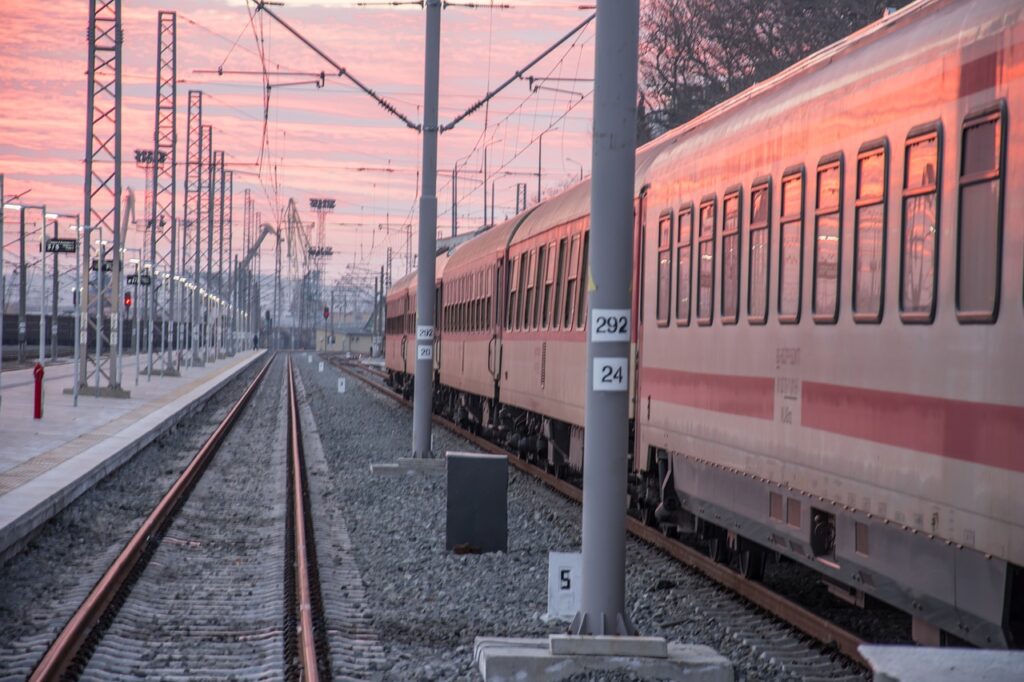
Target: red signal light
(327,312)
(127,301)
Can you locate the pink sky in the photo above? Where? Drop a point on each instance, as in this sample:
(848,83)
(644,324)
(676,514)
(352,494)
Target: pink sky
(317,137)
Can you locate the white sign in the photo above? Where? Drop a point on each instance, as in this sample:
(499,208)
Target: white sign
(341,384)
(321,366)
(611,374)
(609,324)
(309,358)
(564,573)
(424,332)
(424,352)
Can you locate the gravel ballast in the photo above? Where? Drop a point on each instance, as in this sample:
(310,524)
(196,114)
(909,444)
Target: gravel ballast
(428,605)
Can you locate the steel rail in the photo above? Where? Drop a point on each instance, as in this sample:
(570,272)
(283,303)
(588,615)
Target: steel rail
(61,655)
(811,624)
(304,599)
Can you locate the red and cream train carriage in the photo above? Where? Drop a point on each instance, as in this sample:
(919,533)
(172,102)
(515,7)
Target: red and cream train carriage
(829,322)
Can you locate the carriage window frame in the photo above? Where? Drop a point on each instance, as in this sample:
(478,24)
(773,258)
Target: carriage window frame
(758,185)
(560,274)
(687,210)
(994,112)
(735,192)
(866,150)
(918,134)
(712,201)
(827,163)
(663,300)
(549,283)
(584,295)
(790,173)
(572,278)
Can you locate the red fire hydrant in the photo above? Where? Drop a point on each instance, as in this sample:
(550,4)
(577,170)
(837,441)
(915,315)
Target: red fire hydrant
(38,374)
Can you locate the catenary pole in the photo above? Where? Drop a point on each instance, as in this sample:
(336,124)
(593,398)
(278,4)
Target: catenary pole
(423,390)
(602,604)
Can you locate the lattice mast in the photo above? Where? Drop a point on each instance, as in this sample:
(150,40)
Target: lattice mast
(191,229)
(163,240)
(103,199)
(209,212)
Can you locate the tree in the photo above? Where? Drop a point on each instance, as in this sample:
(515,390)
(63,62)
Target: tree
(697,53)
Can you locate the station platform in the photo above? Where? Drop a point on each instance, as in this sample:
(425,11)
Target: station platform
(46,463)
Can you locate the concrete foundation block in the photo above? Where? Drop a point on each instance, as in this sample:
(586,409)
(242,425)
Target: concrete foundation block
(504,659)
(408,465)
(606,645)
(930,664)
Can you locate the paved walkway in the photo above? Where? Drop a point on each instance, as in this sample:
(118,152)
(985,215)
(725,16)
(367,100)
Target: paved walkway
(46,463)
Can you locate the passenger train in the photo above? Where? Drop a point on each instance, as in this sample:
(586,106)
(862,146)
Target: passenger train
(829,323)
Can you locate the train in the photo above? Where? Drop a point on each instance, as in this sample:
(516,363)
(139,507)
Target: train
(828,340)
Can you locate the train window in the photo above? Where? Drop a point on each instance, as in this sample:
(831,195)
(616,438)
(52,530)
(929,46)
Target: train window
(706,262)
(731,258)
(791,240)
(828,234)
(524,288)
(513,291)
(570,286)
(920,247)
(980,222)
(581,307)
(559,276)
(538,291)
(664,268)
(757,276)
(549,285)
(869,232)
(684,235)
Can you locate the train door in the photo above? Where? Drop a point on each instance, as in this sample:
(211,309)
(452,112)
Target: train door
(636,333)
(405,335)
(494,319)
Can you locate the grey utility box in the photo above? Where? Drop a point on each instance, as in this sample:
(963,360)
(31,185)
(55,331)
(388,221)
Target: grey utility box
(477,502)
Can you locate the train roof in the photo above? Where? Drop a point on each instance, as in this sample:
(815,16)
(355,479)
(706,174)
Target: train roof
(486,245)
(777,89)
(407,282)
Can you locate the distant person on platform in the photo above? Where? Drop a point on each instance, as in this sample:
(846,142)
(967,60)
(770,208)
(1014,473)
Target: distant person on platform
(255,342)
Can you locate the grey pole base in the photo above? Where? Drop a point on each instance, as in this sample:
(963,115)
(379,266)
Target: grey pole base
(101,392)
(562,656)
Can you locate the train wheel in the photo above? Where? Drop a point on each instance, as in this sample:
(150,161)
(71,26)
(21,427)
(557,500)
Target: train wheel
(753,561)
(717,543)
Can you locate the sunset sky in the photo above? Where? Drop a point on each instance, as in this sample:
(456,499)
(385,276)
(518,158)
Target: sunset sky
(329,142)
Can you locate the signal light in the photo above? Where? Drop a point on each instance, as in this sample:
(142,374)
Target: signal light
(127,301)
(327,312)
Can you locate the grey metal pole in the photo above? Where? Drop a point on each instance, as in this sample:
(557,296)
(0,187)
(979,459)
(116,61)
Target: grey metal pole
(138,275)
(42,292)
(100,267)
(606,438)
(540,156)
(203,141)
(211,189)
(22,287)
(56,296)
(422,403)
(79,233)
(84,260)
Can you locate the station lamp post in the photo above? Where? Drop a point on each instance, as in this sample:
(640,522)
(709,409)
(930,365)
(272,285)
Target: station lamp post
(22,278)
(59,246)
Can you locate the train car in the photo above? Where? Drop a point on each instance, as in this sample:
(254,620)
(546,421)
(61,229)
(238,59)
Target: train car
(471,310)
(832,343)
(400,329)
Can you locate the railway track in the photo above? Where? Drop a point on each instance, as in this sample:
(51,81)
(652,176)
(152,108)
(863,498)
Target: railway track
(814,626)
(207,565)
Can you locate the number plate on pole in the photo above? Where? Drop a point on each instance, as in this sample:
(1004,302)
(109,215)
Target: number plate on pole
(424,332)
(424,352)
(611,374)
(609,324)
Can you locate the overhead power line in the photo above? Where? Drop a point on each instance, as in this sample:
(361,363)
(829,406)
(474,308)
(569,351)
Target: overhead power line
(261,5)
